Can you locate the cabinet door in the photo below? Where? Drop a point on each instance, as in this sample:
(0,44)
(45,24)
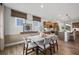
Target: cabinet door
(75,25)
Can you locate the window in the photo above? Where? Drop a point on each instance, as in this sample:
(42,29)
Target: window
(27,26)
(37,25)
(20,21)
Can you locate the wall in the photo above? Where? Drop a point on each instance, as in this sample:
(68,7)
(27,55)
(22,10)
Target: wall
(11,27)
(1,27)
(9,22)
(11,30)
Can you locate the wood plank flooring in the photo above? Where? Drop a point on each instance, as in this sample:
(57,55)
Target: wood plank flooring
(65,48)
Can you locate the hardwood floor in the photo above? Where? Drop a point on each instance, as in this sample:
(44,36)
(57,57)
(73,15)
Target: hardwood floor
(13,50)
(65,48)
(69,48)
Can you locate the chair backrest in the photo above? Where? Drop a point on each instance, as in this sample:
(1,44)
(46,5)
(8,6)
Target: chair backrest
(54,37)
(41,42)
(26,40)
(46,41)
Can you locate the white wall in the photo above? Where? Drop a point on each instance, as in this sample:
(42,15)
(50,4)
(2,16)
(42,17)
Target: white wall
(9,22)
(11,28)
(10,25)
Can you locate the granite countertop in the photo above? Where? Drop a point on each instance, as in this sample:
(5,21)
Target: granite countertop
(28,32)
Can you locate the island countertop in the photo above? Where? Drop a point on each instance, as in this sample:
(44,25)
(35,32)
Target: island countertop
(28,32)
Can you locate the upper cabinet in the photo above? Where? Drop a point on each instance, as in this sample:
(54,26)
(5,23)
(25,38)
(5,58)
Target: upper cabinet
(49,24)
(75,25)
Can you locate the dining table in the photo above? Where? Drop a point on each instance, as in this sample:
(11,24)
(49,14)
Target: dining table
(36,39)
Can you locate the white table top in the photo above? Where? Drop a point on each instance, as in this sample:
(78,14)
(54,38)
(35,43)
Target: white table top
(36,39)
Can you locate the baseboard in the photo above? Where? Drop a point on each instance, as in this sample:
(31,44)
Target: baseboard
(14,43)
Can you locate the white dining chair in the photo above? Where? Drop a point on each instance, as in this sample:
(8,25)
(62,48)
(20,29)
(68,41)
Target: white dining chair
(54,42)
(44,46)
(28,45)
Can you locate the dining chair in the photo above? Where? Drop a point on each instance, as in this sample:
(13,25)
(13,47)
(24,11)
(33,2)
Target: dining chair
(44,46)
(54,42)
(28,45)
(51,42)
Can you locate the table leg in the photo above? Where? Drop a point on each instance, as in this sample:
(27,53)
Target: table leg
(37,50)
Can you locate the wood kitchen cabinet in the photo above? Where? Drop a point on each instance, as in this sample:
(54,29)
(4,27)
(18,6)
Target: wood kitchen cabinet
(49,24)
(75,25)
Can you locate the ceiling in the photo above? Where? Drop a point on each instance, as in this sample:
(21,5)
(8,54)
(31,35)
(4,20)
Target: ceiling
(51,11)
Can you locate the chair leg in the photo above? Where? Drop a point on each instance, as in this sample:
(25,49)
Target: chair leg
(57,46)
(46,52)
(26,51)
(33,49)
(37,50)
(54,48)
(50,51)
(23,49)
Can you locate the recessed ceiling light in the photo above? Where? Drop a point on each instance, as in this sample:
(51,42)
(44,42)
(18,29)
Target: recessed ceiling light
(42,6)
